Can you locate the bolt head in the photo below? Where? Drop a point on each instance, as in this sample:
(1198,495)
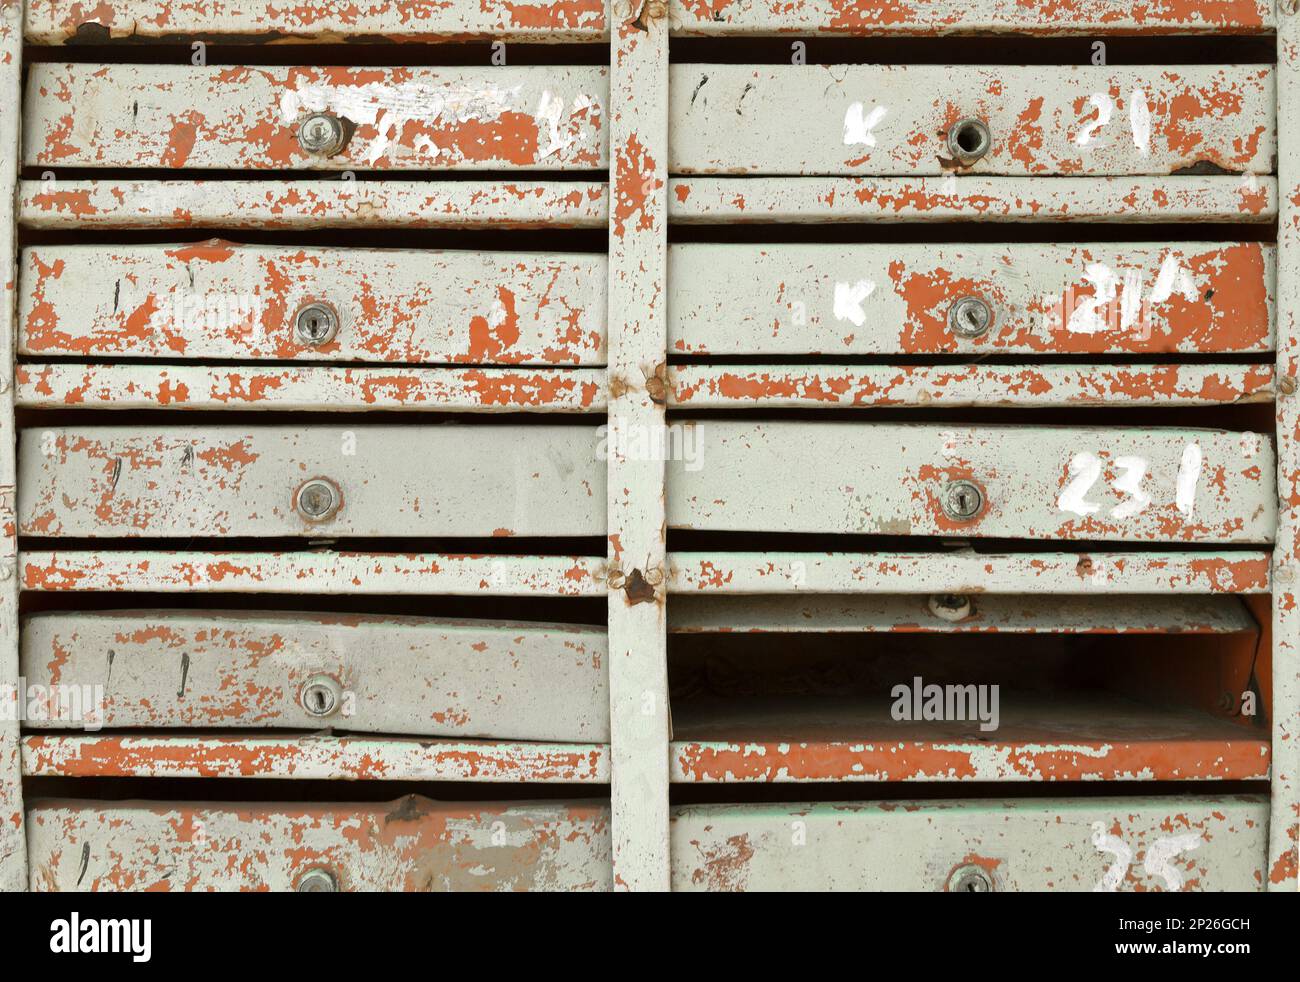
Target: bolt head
(951,606)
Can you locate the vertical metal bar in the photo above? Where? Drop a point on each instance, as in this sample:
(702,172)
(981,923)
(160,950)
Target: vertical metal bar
(638,340)
(1284,824)
(13,845)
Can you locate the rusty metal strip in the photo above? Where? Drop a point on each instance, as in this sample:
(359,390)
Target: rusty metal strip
(900,119)
(61,385)
(956,386)
(1042,18)
(310,204)
(1284,836)
(344,758)
(1038,739)
(187,116)
(955,614)
(969,572)
(1191,843)
(716,200)
(324,573)
(638,246)
(415,844)
(1031,300)
(533,21)
(363,673)
(13,851)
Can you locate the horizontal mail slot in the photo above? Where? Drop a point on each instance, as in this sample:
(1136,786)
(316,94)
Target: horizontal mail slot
(1002,119)
(225,300)
(185,116)
(1164,485)
(312,481)
(1099,844)
(357,673)
(414,844)
(940,299)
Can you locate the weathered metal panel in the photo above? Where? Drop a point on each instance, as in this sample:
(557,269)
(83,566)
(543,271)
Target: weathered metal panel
(414,844)
(1095,844)
(895,119)
(1284,836)
(61,385)
(315,758)
(224,300)
(186,116)
(1075,737)
(231,481)
(1162,485)
(966,571)
(13,851)
(56,22)
(1042,299)
(81,204)
(317,573)
(638,246)
(359,673)
(946,386)
(986,613)
(972,198)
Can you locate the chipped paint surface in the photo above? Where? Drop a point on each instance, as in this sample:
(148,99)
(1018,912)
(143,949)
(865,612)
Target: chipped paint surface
(1041,845)
(1081,738)
(316,757)
(1053,299)
(59,385)
(972,197)
(224,300)
(361,573)
(889,479)
(414,844)
(310,204)
(1220,116)
(228,481)
(837,386)
(233,669)
(175,117)
(970,572)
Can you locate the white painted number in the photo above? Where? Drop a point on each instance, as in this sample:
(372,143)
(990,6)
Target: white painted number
(1085,471)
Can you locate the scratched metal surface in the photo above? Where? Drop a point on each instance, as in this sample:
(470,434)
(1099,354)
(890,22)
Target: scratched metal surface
(174,116)
(236,669)
(414,844)
(1106,299)
(230,481)
(893,119)
(1048,482)
(225,300)
(1127,844)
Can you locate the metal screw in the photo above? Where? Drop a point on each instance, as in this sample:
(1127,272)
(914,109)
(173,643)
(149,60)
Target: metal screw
(970,879)
(969,139)
(616,579)
(1289,6)
(318,879)
(322,134)
(950,606)
(970,317)
(962,501)
(315,324)
(320,695)
(318,500)
(1287,384)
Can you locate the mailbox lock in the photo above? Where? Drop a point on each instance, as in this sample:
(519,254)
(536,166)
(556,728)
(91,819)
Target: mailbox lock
(950,606)
(320,695)
(970,317)
(322,134)
(318,500)
(962,501)
(316,323)
(318,879)
(970,879)
(969,140)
